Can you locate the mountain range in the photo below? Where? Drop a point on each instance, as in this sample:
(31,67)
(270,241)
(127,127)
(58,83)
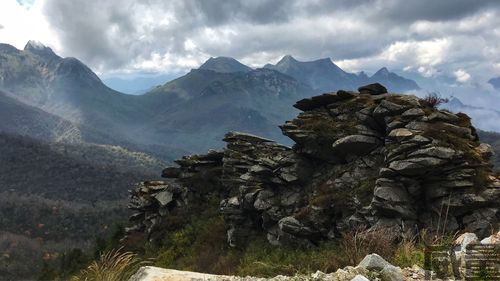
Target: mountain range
(69,139)
(324,76)
(223,94)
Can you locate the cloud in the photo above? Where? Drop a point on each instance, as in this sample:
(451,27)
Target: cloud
(461,75)
(426,38)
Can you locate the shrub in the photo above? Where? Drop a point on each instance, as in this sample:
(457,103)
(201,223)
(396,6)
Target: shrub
(433,100)
(356,244)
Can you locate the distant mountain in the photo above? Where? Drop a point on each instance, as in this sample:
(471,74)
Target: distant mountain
(211,103)
(483,118)
(136,85)
(393,81)
(321,74)
(325,76)
(495,82)
(65,87)
(222,95)
(492,139)
(224,64)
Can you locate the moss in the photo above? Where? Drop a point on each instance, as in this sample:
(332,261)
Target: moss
(398,99)
(353,105)
(327,127)
(463,120)
(364,191)
(439,131)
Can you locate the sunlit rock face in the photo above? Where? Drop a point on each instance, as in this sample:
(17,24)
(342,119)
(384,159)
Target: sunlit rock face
(361,159)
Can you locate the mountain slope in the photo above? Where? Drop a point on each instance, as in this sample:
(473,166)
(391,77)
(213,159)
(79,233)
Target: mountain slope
(22,119)
(255,101)
(58,196)
(65,87)
(393,81)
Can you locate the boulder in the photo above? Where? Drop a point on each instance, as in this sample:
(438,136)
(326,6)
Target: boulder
(391,273)
(321,100)
(355,145)
(151,273)
(360,278)
(401,133)
(373,262)
(372,89)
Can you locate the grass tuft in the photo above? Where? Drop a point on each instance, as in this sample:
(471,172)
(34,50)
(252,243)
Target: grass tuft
(114,265)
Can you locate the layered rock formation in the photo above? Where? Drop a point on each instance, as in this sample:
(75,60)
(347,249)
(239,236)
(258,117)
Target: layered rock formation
(367,159)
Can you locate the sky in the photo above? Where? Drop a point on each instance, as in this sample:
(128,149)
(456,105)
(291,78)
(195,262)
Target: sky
(452,40)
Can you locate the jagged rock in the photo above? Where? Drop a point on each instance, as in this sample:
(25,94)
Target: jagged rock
(492,239)
(465,239)
(322,100)
(292,226)
(171,172)
(401,133)
(391,273)
(373,262)
(485,150)
(373,89)
(413,112)
(368,160)
(355,144)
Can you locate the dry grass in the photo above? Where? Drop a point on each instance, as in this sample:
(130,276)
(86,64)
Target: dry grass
(114,265)
(408,253)
(356,244)
(433,100)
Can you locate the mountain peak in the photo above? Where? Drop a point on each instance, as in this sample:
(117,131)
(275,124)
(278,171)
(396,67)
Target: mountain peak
(224,64)
(495,82)
(36,47)
(383,71)
(287,59)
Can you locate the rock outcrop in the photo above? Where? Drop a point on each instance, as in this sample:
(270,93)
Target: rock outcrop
(369,159)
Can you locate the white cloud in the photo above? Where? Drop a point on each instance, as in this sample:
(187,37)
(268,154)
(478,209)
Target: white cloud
(427,53)
(23,22)
(461,75)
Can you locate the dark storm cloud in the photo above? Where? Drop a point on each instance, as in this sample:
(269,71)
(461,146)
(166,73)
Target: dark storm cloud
(434,36)
(215,12)
(432,10)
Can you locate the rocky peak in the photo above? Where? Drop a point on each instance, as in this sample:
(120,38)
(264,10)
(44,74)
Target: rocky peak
(365,159)
(287,59)
(225,65)
(382,72)
(39,49)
